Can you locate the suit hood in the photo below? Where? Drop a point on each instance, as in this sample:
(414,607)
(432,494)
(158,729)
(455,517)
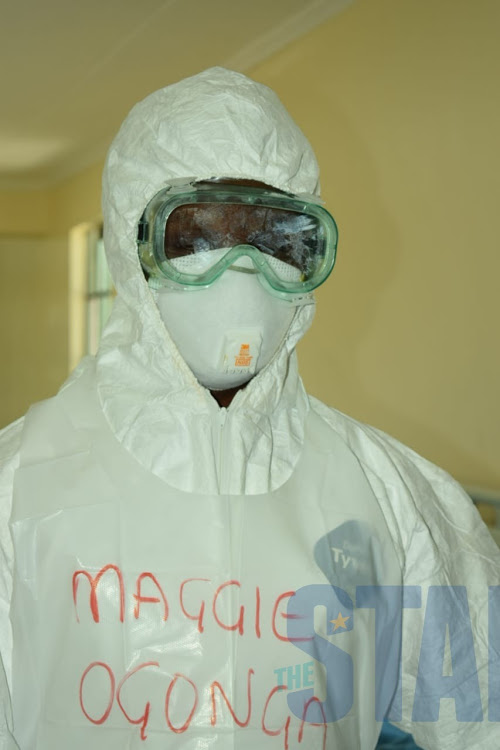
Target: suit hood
(215,124)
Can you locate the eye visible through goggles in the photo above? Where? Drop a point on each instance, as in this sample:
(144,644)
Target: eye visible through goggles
(190,235)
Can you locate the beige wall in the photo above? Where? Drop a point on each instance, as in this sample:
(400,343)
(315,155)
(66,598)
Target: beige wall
(399,99)
(34,231)
(76,200)
(24,213)
(33,321)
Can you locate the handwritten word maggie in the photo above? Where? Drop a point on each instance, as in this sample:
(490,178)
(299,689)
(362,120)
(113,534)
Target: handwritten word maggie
(147,590)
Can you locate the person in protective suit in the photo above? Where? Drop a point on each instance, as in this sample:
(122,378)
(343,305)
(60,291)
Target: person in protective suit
(200,554)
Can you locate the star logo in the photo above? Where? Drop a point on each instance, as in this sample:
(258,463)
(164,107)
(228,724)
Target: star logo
(340,622)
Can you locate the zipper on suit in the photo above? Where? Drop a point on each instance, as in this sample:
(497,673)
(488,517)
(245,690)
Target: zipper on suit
(221,450)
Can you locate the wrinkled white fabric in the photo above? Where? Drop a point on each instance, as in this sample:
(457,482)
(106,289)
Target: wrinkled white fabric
(134,464)
(216,124)
(117,513)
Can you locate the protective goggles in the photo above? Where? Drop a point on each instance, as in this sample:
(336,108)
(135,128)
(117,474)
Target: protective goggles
(189,235)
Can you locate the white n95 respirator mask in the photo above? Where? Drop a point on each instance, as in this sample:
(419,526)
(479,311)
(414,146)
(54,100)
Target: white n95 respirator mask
(227,332)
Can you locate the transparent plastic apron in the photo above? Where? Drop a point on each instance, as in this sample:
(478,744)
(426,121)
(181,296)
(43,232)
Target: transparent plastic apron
(148,617)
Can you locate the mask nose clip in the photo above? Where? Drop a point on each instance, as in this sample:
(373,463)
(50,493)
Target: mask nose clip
(245,259)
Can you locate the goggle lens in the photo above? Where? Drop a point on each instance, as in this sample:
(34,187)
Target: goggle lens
(291,237)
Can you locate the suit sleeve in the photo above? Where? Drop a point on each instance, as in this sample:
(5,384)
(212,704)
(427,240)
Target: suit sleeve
(451,640)
(10,439)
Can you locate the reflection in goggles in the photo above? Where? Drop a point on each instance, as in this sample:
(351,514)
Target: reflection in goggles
(289,236)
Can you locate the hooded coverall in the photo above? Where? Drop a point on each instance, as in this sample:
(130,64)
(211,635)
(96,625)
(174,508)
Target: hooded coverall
(181,575)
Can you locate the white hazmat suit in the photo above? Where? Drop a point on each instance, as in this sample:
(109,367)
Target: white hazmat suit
(156,540)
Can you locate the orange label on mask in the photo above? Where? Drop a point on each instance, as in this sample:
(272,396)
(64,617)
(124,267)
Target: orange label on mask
(244,358)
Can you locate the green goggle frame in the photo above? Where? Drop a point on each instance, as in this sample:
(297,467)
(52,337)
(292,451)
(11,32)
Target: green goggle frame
(189,235)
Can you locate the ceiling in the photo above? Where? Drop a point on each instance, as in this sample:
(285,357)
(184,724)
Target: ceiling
(72,70)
